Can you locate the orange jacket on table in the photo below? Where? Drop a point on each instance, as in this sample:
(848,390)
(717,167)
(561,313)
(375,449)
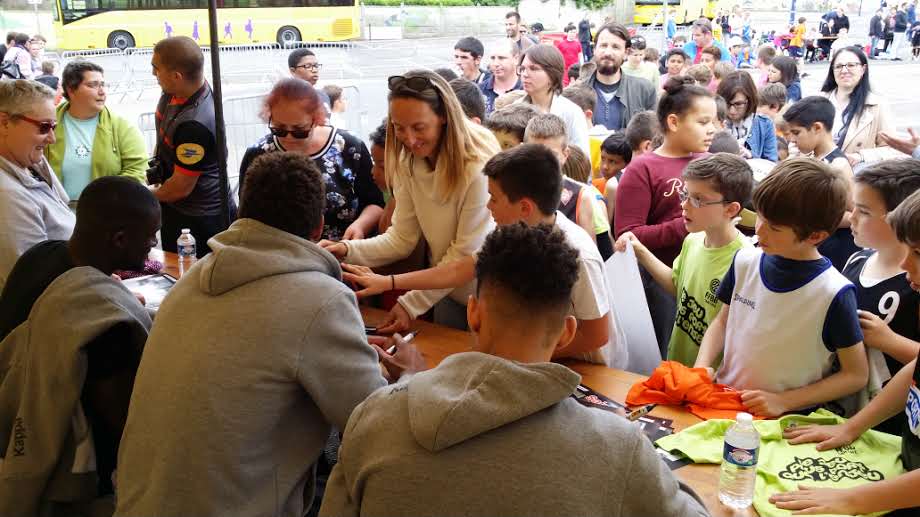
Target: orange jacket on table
(672,383)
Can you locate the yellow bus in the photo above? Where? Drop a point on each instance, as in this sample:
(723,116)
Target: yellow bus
(649,12)
(95,24)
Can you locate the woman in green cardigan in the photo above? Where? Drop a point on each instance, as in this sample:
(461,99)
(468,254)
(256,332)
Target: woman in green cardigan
(91,141)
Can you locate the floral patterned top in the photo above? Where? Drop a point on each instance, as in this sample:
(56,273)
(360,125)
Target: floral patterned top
(346,166)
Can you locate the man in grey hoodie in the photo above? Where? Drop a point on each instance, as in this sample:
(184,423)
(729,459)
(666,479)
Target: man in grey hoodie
(255,352)
(495,431)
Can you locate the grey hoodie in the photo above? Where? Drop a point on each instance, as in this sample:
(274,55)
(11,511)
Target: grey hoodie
(481,435)
(254,353)
(48,450)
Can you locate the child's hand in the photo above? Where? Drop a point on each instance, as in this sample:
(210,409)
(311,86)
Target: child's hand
(813,501)
(364,277)
(339,249)
(827,436)
(763,403)
(620,244)
(875,330)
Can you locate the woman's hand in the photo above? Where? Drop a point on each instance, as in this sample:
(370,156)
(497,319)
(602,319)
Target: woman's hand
(397,321)
(854,159)
(339,249)
(371,282)
(354,232)
(905,145)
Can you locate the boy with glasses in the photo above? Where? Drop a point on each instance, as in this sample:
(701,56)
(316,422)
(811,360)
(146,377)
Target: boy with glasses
(304,64)
(715,191)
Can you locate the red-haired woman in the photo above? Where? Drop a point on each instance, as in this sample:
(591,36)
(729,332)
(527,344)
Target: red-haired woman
(297,122)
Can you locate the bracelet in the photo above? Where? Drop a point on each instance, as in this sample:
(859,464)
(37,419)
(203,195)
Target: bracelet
(345,243)
(392,282)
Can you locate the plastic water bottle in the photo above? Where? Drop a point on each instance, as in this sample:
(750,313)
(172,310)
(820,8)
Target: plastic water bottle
(739,463)
(186,246)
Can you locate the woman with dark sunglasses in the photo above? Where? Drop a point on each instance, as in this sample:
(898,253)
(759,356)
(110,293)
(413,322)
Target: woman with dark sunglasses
(297,122)
(434,159)
(33,203)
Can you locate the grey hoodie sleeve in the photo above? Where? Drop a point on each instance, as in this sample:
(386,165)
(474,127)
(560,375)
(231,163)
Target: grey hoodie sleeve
(336,365)
(337,499)
(652,487)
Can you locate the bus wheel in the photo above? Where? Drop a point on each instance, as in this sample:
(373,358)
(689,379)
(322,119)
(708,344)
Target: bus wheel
(121,40)
(287,35)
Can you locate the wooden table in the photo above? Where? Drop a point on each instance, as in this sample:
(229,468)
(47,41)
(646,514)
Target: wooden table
(436,342)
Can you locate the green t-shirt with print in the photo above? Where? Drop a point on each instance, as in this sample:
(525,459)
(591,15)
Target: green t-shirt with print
(782,467)
(697,272)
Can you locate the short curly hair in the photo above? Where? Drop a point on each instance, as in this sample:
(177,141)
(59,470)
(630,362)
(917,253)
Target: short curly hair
(530,267)
(285,190)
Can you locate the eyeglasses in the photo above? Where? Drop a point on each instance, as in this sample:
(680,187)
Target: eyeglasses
(849,66)
(532,69)
(417,84)
(310,66)
(738,104)
(696,202)
(299,134)
(43,127)
(96,85)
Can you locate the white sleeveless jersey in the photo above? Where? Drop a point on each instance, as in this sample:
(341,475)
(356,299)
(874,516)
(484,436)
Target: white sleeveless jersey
(773,340)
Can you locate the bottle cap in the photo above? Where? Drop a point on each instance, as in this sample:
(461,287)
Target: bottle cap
(744,418)
(186,230)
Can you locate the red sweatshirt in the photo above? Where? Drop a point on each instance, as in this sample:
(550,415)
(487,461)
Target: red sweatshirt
(648,203)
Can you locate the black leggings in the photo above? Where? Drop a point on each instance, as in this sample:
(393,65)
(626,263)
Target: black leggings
(202,227)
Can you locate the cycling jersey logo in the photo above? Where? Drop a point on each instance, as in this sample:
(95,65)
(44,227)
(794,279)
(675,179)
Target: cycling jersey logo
(190,154)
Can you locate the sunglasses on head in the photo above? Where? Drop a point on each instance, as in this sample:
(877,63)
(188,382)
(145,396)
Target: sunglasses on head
(295,133)
(417,84)
(43,127)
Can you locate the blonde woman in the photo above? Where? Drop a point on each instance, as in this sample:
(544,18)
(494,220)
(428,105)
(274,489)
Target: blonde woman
(433,162)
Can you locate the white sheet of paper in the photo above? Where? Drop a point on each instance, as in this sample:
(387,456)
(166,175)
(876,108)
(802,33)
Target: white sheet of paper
(630,310)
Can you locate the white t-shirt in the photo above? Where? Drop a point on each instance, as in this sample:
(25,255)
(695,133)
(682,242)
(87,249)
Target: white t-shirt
(590,297)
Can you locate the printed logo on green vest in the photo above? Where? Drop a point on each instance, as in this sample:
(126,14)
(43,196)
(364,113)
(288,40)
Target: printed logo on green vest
(834,469)
(691,317)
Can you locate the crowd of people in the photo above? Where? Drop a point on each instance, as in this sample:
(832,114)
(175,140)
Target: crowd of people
(768,222)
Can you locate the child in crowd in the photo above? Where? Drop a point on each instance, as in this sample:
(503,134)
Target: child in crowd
(710,56)
(782,148)
(525,185)
(337,105)
(714,192)
(889,310)
(471,99)
(647,200)
(765,56)
(784,70)
(719,71)
(675,62)
(635,63)
(784,300)
(797,43)
(378,139)
(577,166)
(771,98)
(581,203)
(900,396)
(586,99)
(508,123)
(615,156)
(810,122)
(509,98)
(642,132)
(652,56)
(700,73)
(724,142)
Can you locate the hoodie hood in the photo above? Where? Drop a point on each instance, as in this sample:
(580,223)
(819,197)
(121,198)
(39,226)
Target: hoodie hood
(472,393)
(249,251)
